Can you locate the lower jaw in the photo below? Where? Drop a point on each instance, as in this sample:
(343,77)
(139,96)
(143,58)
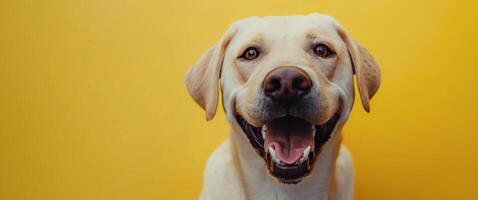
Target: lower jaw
(289,174)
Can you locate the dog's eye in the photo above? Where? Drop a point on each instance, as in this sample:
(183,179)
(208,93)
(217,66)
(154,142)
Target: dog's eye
(250,53)
(323,51)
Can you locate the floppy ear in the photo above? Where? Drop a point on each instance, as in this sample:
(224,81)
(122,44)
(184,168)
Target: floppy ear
(202,80)
(365,68)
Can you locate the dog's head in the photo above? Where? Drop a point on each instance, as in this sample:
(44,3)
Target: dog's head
(287,82)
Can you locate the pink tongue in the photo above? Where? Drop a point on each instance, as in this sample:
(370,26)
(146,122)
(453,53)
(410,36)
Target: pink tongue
(289,137)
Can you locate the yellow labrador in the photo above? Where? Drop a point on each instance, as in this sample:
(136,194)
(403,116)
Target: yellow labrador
(287,89)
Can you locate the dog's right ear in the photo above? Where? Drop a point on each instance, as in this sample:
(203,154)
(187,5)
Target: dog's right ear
(202,80)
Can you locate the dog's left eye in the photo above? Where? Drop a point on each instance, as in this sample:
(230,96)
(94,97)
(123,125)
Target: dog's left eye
(250,53)
(323,51)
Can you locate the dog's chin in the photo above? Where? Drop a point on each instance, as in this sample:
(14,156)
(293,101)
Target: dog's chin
(289,145)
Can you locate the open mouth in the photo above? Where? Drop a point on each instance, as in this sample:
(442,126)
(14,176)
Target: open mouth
(289,145)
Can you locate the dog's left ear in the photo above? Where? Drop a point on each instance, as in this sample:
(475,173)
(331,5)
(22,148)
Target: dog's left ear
(202,80)
(365,68)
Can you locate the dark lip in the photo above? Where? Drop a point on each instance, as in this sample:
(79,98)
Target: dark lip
(289,173)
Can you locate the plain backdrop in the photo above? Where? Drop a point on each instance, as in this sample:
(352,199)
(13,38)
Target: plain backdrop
(93,106)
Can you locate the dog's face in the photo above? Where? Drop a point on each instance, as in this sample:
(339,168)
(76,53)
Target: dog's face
(287,82)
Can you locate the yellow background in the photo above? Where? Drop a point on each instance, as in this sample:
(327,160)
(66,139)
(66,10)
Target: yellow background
(92,104)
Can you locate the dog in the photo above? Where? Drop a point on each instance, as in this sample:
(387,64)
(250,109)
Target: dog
(287,86)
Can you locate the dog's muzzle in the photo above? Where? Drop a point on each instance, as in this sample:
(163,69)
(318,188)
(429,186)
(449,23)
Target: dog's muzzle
(288,144)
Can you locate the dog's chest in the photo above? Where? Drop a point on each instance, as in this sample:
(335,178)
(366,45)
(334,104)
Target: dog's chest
(314,190)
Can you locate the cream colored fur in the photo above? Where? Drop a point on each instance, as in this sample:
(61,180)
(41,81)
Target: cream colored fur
(234,170)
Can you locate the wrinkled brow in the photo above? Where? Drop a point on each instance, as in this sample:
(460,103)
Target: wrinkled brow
(326,39)
(257,40)
(311,36)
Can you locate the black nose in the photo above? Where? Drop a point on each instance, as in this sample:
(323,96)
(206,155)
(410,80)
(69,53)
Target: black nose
(286,85)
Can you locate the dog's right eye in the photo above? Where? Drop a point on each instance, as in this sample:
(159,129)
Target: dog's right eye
(250,53)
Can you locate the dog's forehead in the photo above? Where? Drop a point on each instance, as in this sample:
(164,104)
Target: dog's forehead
(280,27)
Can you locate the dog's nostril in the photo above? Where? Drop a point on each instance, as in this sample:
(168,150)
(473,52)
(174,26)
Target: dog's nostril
(301,84)
(272,85)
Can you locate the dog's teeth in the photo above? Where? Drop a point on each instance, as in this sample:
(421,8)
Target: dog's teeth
(263,131)
(273,154)
(313,130)
(305,155)
(306,152)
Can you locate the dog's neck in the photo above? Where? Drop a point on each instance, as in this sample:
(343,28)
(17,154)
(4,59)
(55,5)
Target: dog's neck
(258,182)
